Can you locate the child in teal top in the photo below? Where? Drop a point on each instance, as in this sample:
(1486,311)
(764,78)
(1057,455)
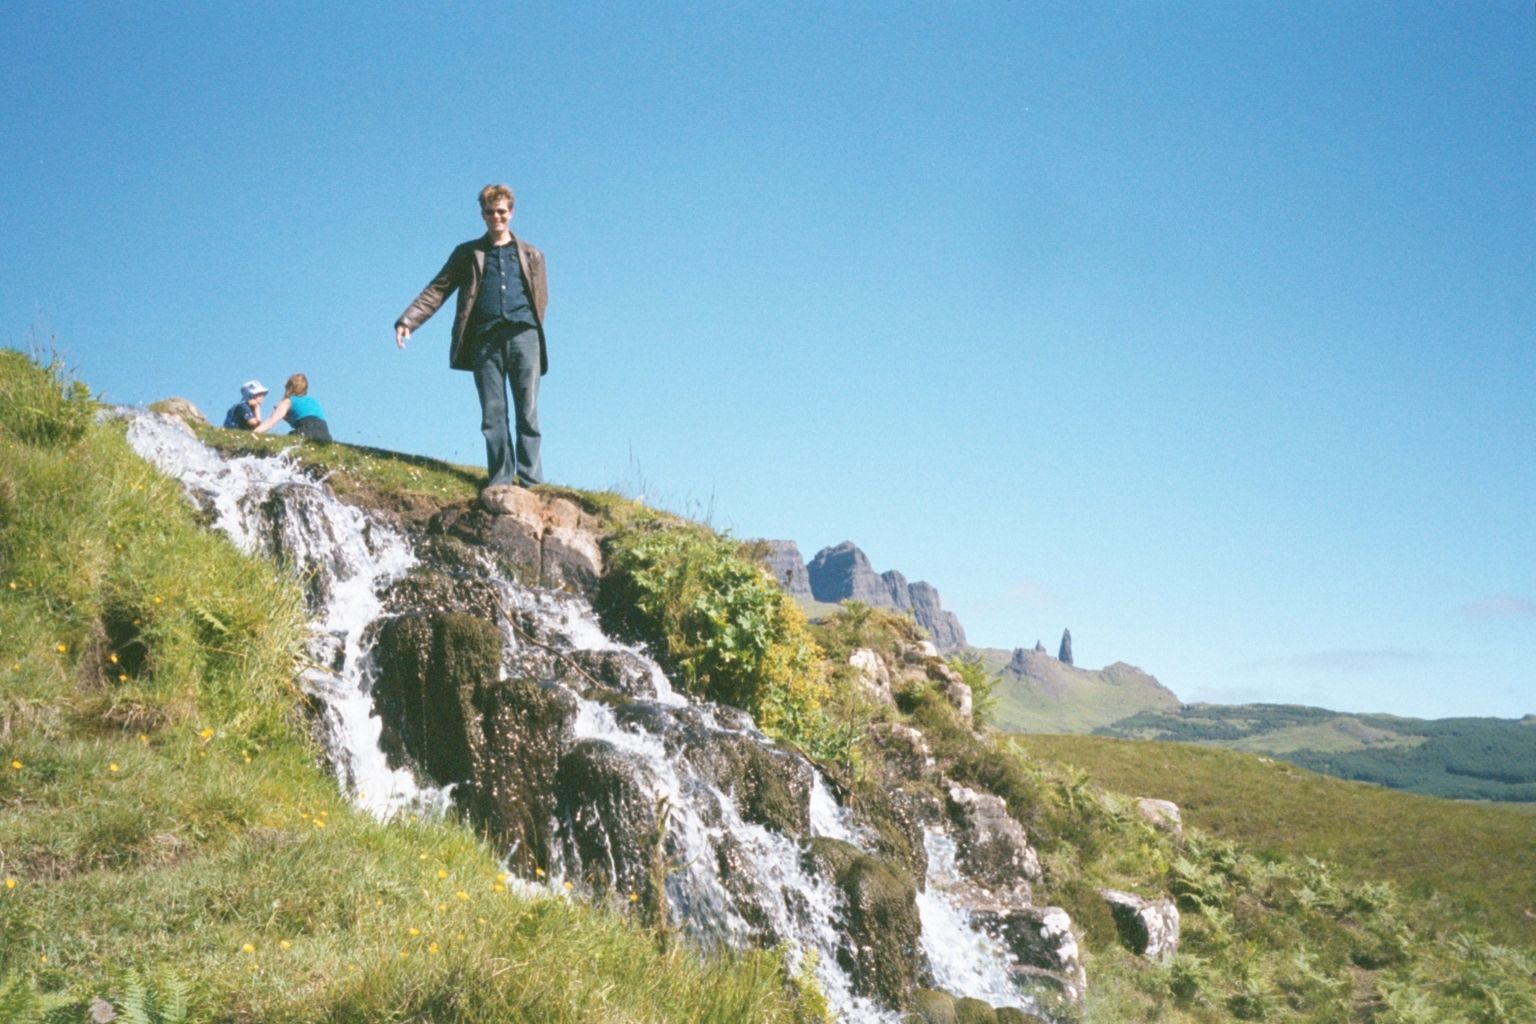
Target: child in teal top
(302,412)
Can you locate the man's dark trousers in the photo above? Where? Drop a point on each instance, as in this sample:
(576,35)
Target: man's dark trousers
(509,358)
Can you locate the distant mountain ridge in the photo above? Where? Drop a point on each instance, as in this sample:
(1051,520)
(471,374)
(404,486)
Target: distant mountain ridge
(843,572)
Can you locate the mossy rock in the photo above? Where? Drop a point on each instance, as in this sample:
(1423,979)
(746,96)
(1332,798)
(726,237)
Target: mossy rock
(880,923)
(930,1006)
(1014,1015)
(893,819)
(974,1011)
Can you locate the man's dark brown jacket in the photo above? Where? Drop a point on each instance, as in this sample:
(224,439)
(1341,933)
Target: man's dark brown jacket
(464,270)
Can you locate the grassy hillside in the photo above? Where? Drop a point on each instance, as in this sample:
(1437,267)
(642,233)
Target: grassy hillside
(167,830)
(1048,696)
(1460,758)
(171,832)
(1476,861)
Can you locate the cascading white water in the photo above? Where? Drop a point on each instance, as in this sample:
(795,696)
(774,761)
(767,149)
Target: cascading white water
(268,505)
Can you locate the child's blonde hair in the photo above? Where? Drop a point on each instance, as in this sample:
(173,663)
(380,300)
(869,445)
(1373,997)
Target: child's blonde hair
(298,384)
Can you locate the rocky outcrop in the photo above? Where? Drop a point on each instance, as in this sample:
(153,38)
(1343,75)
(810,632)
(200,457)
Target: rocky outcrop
(538,541)
(1162,815)
(843,573)
(1064,654)
(1147,928)
(991,847)
(874,677)
(788,567)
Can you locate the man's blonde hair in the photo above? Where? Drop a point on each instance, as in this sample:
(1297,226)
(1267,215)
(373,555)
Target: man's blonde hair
(491,193)
(298,384)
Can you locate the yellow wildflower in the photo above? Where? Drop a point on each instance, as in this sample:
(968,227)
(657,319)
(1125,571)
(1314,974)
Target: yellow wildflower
(62,648)
(415,931)
(157,600)
(633,897)
(16,765)
(10,883)
(500,887)
(441,873)
(112,658)
(111,767)
(442,907)
(539,872)
(319,823)
(206,733)
(432,948)
(567,885)
(422,857)
(143,738)
(461,894)
(286,944)
(248,948)
(122,677)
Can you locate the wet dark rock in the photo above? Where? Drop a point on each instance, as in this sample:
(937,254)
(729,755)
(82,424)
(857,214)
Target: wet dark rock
(524,729)
(515,545)
(894,818)
(447,715)
(1148,928)
(618,670)
(991,847)
(427,592)
(879,921)
(603,800)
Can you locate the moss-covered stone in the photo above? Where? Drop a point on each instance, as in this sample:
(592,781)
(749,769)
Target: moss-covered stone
(930,1006)
(974,1011)
(893,818)
(880,922)
(1014,1015)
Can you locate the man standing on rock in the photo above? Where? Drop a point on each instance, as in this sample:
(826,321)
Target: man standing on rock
(498,332)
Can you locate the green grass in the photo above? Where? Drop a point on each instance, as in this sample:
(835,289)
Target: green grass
(1478,859)
(162,809)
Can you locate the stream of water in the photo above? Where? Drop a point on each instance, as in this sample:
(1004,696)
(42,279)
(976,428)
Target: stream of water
(267,505)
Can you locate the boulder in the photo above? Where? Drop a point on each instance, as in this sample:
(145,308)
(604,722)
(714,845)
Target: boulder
(879,922)
(904,751)
(1147,928)
(1162,815)
(873,675)
(182,410)
(974,1011)
(990,846)
(1045,951)
(952,685)
(540,541)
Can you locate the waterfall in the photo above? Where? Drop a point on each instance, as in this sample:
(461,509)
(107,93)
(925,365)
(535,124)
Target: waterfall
(347,558)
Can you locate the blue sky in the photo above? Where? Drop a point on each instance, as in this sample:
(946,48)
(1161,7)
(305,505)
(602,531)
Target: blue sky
(1206,330)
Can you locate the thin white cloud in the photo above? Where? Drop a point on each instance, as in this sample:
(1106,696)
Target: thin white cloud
(1500,606)
(1346,659)
(1028,594)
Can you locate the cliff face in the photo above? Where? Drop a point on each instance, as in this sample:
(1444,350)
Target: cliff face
(844,573)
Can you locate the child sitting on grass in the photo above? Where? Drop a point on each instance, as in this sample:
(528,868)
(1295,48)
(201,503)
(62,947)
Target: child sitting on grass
(246,413)
(302,412)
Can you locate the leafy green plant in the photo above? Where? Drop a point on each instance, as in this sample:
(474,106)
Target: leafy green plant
(983,683)
(163,1001)
(721,627)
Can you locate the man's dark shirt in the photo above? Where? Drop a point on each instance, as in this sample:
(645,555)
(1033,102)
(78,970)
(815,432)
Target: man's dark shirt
(239,417)
(503,298)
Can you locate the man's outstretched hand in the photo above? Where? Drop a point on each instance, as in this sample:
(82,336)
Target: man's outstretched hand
(402,332)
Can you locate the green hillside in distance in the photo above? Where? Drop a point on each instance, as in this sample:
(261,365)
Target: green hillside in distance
(1477,861)
(1459,758)
(1037,693)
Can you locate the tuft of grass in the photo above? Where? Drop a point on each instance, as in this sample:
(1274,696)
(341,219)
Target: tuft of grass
(168,834)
